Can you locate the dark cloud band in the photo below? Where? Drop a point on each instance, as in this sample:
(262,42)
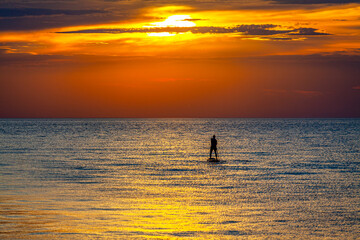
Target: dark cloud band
(264,29)
(22,12)
(314,1)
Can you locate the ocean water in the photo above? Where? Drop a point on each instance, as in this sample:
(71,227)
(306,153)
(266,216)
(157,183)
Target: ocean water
(149,178)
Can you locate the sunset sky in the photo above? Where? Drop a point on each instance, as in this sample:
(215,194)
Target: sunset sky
(200,58)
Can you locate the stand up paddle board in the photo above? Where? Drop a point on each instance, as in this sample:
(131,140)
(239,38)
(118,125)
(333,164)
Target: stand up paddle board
(213,160)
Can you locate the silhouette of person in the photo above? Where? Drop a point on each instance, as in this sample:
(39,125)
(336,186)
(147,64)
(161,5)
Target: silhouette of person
(213,146)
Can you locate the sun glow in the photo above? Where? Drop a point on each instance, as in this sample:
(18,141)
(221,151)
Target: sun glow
(175,21)
(161,34)
(172,21)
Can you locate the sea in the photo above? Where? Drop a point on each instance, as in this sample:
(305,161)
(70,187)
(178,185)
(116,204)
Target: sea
(150,179)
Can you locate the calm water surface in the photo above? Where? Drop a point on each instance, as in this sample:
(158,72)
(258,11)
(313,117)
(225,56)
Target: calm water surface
(148,178)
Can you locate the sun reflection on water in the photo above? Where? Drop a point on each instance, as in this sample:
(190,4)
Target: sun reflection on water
(149,179)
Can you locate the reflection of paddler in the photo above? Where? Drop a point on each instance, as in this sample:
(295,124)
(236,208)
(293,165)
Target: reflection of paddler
(213,146)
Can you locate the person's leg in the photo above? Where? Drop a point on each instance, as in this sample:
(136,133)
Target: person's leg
(215,150)
(210,152)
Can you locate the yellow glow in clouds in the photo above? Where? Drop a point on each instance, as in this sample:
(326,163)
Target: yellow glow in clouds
(176,21)
(172,21)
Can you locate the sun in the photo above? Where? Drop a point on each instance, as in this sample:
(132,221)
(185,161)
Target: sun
(176,21)
(170,22)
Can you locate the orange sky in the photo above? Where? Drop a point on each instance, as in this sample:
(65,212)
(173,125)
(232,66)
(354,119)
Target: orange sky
(283,58)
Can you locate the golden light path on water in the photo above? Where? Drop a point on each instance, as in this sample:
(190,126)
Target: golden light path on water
(137,179)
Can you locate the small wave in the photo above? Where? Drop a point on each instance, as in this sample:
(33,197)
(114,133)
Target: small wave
(122,164)
(180,170)
(297,173)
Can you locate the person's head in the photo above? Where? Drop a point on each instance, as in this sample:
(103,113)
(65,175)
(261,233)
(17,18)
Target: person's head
(214,136)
